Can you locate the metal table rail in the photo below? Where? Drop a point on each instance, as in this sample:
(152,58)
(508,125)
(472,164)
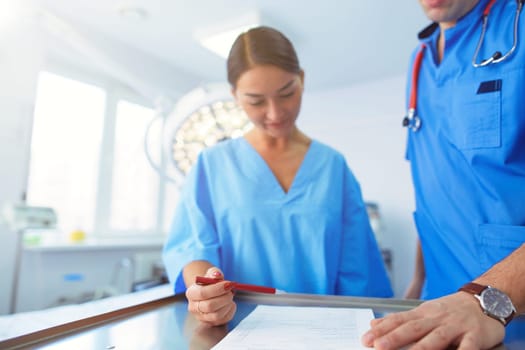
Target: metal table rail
(166,324)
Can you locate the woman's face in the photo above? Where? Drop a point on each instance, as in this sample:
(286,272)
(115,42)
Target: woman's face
(271,97)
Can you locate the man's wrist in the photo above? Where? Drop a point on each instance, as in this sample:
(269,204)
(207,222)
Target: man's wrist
(493,302)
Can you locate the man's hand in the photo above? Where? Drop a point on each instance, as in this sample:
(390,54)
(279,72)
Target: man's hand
(455,319)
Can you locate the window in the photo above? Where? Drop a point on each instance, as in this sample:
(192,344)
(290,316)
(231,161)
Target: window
(88,162)
(65,146)
(135,185)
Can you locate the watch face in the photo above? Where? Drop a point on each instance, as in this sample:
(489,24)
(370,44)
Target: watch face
(496,303)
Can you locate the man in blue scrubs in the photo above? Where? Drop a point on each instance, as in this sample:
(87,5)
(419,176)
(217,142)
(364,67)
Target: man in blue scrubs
(466,147)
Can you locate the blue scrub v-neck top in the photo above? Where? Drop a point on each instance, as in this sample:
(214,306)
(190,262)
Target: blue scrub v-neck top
(315,238)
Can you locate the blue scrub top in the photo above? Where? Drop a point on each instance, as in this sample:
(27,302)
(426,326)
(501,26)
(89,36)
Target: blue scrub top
(315,238)
(468,158)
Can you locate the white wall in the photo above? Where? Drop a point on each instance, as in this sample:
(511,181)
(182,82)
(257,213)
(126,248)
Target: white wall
(20,60)
(364,123)
(65,274)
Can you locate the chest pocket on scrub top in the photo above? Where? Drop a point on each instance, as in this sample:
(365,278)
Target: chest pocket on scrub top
(476,110)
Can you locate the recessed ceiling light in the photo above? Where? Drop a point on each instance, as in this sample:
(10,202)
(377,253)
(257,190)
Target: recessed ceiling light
(220,37)
(221,43)
(133,13)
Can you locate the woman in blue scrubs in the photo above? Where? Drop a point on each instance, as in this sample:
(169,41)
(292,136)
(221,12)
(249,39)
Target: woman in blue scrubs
(273,207)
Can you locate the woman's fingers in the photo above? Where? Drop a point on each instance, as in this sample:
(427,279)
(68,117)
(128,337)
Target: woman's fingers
(212,303)
(214,272)
(219,316)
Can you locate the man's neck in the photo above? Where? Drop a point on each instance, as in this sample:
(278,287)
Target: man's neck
(443,26)
(441,45)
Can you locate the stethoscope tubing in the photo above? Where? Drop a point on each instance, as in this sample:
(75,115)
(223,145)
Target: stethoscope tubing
(497,56)
(412,120)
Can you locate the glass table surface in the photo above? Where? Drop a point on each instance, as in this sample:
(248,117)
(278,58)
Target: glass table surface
(166,324)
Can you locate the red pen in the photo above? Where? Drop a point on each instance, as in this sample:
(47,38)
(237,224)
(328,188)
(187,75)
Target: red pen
(203,281)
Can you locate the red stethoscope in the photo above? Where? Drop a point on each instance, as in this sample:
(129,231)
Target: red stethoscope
(411,120)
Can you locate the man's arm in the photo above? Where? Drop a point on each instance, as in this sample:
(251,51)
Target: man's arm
(456,319)
(507,276)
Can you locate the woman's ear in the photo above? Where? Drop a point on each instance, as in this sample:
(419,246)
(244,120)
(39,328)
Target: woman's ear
(301,76)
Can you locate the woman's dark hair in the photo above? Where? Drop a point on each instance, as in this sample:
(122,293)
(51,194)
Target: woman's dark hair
(259,46)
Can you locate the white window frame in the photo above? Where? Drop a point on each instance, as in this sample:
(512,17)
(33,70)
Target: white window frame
(115,92)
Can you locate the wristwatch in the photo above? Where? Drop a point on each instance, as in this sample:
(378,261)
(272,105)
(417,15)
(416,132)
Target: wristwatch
(493,301)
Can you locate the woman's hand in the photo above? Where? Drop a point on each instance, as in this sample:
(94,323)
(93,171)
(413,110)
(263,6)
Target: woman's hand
(455,319)
(212,304)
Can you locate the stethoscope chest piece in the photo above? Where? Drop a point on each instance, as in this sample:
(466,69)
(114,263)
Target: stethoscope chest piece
(412,121)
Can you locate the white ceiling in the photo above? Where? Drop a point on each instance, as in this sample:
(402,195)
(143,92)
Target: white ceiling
(339,42)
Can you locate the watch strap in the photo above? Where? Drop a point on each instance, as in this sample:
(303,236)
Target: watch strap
(473,288)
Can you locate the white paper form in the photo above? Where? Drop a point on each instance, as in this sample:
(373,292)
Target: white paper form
(289,328)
